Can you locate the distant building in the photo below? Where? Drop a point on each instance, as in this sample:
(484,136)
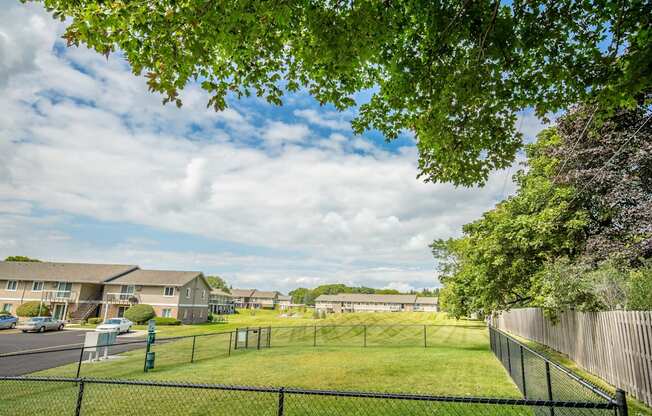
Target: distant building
(284,302)
(78,291)
(357,302)
(260,299)
(220,302)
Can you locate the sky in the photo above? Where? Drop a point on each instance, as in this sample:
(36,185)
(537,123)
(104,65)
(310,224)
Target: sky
(93,168)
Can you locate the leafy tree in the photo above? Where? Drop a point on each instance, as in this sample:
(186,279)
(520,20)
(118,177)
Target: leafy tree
(302,295)
(610,166)
(218,283)
(20,258)
(32,308)
(140,313)
(453,73)
(569,237)
(639,290)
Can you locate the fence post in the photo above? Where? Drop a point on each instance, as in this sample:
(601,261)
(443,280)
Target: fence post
(621,402)
(509,358)
(247,339)
(549,383)
(258,342)
(500,348)
(80,397)
(281,399)
(365,335)
(425,337)
(81,357)
(314,338)
(523,372)
(192,356)
(269,337)
(230,341)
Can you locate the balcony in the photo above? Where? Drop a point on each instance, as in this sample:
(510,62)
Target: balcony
(59,296)
(121,298)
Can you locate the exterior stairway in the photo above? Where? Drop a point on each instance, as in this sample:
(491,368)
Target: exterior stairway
(83,312)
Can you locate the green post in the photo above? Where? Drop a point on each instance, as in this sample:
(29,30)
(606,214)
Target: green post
(365,335)
(230,341)
(314,338)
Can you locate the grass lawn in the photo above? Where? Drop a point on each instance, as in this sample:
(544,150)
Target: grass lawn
(458,352)
(457,362)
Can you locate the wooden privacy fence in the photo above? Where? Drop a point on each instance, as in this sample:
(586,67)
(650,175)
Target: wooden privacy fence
(615,345)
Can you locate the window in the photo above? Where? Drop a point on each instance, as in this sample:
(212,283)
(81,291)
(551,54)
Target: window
(185,313)
(168,291)
(167,313)
(37,286)
(188,292)
(201,314)
(12,285)
(7,307)
(203,294)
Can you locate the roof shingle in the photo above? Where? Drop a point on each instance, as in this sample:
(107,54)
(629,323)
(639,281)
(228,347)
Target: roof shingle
(62,272)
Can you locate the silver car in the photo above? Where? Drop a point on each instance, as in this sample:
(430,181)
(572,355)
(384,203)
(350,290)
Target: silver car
(41,324)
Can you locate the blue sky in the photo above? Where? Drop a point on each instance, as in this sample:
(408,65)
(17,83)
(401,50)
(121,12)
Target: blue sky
(94,169)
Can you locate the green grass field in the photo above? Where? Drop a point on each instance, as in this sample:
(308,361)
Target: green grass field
(456,362)
(394,359)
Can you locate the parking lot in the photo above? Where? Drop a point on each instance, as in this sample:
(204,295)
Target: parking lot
(37,344)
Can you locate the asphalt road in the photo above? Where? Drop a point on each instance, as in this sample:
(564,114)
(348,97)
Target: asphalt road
(38,345)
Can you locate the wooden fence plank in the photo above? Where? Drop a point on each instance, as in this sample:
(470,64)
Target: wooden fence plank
(614,345)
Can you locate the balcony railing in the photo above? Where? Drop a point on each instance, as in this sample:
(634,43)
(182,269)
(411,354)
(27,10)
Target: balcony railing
(121,298)
(59,295)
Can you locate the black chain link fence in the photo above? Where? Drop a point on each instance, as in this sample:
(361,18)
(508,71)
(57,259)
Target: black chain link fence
(82,388)
(100,397)
(539,378)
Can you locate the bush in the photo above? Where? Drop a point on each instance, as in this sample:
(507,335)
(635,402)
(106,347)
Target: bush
(166,321)
(210,317)
(94,321)
(34,308)
(140,313)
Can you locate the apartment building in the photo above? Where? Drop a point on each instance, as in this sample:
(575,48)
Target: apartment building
(77,291)
(354,302)
(70,290)
(173,294)
(220,302)
(258,299)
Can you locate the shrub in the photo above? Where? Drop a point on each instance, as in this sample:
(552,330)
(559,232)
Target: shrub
(140,313)
(210,317)
(166,321)
(94,321)
(34,308)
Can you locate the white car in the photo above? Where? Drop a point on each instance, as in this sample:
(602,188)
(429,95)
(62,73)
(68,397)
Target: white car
(115,324)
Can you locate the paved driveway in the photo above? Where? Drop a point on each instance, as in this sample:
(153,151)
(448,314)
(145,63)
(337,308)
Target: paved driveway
(12,341)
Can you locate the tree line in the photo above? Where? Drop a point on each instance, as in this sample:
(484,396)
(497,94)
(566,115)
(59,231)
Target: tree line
(307,296)
(576,234)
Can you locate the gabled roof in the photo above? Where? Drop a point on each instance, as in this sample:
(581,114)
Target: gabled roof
(427,300)
(219,292)
(264,294)
(62,272)
(242,293)
(361,297)
(286,298)
(156,278)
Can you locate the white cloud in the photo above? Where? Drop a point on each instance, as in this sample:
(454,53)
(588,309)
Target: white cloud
(108,150)
(277,132)
(328,119)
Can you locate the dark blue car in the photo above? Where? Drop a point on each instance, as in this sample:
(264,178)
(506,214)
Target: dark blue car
(8,321)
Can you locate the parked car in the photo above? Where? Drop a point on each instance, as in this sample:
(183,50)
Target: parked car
(8,321)
(115,324)
(41,324)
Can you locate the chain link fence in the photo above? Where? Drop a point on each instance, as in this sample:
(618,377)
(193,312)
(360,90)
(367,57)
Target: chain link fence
(107,397)
(542,379)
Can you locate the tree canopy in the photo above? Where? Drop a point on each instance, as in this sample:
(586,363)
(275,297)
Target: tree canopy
(308,296)
(578,231)
(453,73)
(20,258)
(218,283)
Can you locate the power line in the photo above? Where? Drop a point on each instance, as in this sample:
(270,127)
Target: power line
(612,157)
